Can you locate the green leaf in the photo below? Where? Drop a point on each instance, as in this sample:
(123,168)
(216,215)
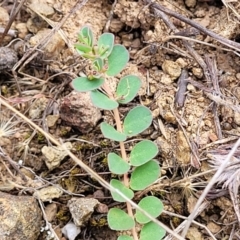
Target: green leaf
(137,120)
(98,64)
(117,60)
(119,220)
(117,165)
(100,100)
(152,231)
(122,188)
(142,152)
(124,237)
(151,205)
(127,88)
(85,36)
(110,132)
(82,48)
(83,84)
(105,44)
(144,175)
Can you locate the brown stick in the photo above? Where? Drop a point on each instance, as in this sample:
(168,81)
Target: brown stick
(212,66)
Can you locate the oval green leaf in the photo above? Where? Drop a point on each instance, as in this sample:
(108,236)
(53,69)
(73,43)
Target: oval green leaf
(144,175)
(117,60)
(151,205)
(119,220)
(152,231)
(86,36)
(110,132)
(124,237)
(137,120)
(117,165)
(143,152)
(123,189)
(105,44)
(83,84)
(127,88)
(100,100)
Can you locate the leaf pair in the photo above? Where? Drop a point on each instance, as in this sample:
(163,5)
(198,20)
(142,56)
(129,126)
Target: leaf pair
(137,120)
(141,177)
(119,220)
(146,172)
(126,90)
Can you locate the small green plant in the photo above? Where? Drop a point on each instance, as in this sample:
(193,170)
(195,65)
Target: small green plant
(109,59)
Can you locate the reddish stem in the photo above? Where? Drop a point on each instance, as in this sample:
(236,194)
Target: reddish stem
(123,154)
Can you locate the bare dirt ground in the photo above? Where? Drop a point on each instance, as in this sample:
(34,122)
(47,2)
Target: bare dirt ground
(190,81)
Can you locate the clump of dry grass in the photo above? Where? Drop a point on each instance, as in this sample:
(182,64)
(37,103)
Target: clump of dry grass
(7,127)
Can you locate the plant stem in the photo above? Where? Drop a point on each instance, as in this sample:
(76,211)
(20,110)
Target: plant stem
(123,154)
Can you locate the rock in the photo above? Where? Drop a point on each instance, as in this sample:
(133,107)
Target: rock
(53,47)
(237,118)
(236,90)
(127,39)
(172,69)
(35,24)
(116,25)
(37,107)
(70,231)
(47,194)
(77,110)
(51,211)
(213,227)
(22,30)
(4,17)
(197,72)
(51,120)
(54,155)
(40,7)
(190,3)
(81,209)
(20,218)
(8,58)
(194,234)
(166,79)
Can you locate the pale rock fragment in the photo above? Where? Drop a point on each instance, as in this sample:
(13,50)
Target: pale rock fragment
(172,69)
(81,209)
(54,155)
(47,194)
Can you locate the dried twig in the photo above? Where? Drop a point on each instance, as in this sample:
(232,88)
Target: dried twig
(224,41)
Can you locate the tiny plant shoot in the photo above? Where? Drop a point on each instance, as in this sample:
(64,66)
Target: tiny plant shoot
(109,59)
